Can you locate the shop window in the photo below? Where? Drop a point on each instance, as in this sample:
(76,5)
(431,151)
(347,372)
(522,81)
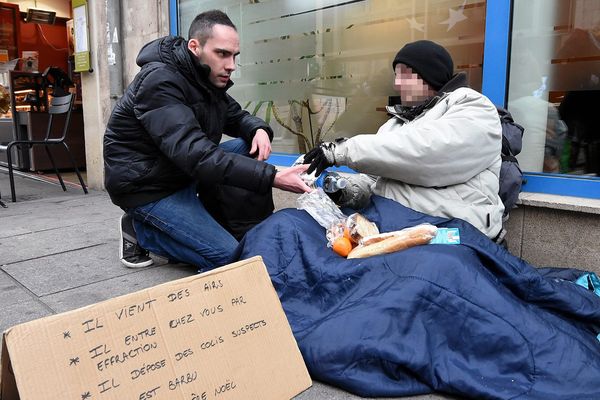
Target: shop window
(554,87)
(317,70)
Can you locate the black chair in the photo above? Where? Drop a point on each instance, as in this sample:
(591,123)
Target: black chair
(58,105)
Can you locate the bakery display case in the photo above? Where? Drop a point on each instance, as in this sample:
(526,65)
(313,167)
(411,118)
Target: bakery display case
(27,94)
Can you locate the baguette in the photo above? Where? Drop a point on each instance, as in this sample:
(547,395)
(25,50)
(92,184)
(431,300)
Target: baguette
(378,238)
(394,241)
(413,231)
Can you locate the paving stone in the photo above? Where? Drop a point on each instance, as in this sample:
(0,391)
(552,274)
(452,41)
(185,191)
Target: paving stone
(24,311)
(57,240)
(67,270)
(325,392)
(11,292)
(107,289)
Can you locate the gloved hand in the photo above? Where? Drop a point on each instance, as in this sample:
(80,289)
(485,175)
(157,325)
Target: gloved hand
(357,193)
(321,157)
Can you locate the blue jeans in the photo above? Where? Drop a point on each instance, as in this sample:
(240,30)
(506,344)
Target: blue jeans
(180,228)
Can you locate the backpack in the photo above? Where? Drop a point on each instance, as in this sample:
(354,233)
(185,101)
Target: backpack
(511,176)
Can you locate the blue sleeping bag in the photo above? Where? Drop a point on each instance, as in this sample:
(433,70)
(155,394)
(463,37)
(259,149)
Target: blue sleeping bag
(468,319)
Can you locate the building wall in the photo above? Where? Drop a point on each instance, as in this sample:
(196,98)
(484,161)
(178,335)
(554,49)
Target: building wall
(95,94)
(556,231)
(141,22)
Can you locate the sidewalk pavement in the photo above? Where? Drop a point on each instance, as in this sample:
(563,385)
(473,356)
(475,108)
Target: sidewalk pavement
(59,251)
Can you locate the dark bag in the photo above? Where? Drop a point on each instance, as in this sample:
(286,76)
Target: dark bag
(511,176)
(237,210)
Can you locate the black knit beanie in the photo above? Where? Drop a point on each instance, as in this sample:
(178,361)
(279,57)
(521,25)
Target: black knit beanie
(431,61)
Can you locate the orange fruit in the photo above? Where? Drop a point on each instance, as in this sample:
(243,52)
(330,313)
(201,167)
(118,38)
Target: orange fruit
(342,246)
(347,233)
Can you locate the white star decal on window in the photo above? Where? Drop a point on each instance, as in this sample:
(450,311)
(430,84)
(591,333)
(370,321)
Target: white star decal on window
(455,16)
(415,25)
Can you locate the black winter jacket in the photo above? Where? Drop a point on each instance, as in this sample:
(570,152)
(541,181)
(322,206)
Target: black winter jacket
(163,133)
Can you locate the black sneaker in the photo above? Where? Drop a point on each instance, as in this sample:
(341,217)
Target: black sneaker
(130,253)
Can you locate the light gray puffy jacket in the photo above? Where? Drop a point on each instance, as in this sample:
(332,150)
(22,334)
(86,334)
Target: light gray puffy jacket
(445,162)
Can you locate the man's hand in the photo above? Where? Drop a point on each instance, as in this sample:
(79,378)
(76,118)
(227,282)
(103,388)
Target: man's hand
(320,158)
(261,145)
(289,179)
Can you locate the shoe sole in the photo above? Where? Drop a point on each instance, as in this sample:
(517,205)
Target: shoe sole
(136,265)
(124,261)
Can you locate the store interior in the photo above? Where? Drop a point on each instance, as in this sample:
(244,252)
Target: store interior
(36,64)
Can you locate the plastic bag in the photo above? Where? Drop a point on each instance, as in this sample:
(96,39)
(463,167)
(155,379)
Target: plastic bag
(359,227)
(321,208)
(426,231)
(346,235)
(342,232)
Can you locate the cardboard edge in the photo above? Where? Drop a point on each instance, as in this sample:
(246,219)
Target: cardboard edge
(8,384)
(305,380)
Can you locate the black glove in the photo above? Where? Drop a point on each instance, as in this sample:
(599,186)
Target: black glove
(320,158)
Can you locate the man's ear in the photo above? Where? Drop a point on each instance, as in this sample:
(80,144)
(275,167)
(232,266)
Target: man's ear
(194,46)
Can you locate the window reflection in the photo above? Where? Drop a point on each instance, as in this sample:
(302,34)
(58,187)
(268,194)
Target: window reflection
(554,89)
(321,69)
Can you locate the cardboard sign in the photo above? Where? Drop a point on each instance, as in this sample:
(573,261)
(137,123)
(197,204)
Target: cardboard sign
(219,335)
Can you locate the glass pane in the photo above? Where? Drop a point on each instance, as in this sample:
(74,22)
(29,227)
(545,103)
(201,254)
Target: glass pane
(321,69)
(554,86)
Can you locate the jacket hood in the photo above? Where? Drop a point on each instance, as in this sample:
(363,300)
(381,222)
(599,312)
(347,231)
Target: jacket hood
(172,50)
(458,80)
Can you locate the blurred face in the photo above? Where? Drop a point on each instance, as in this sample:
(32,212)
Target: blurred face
(412,89)
(218,53)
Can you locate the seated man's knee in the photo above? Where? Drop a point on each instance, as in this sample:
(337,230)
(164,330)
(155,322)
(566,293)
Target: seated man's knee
(237,146)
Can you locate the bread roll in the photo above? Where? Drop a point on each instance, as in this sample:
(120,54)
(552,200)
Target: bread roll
(359,227)
(390,242)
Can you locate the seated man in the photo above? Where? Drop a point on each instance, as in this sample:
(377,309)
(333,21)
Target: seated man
(162,144)
(439,153)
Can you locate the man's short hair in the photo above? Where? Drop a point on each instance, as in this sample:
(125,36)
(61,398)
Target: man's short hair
(201,27)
